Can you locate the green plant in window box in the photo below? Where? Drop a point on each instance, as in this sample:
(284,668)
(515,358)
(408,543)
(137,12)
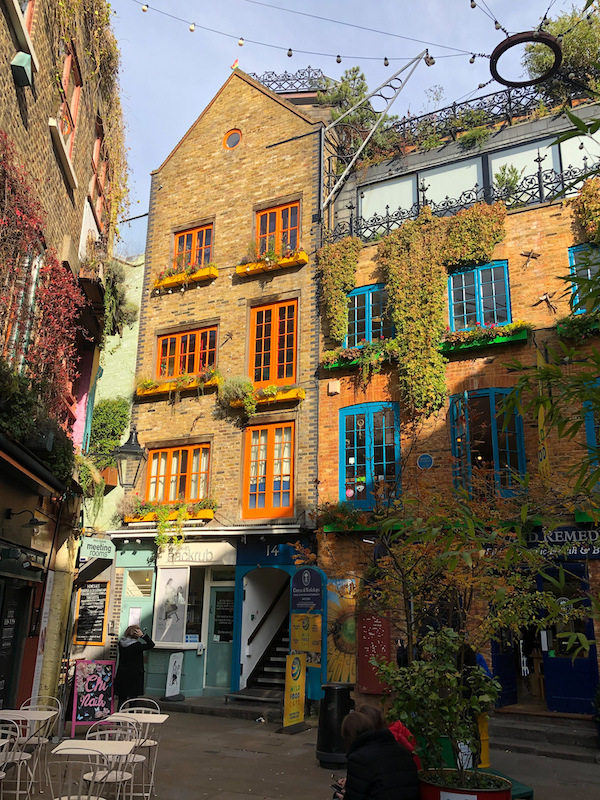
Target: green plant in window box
(238,387)
(475,137)
(170,532)
(488,332)
(577,327)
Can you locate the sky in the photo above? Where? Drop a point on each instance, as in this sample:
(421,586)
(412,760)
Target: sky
(169,74)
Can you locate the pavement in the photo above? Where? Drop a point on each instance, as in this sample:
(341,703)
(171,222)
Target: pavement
(203,757)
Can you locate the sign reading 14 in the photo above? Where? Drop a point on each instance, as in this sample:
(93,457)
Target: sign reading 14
(272,550)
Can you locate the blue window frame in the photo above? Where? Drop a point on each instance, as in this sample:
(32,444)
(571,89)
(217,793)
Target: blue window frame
(592,431)
(584,261)
(480,443)
(369,465)
(479,296)
(368,317)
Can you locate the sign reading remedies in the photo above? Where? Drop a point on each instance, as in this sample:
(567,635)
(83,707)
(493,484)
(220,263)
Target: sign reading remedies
(90,616)
(567,541)
(197,553)
(307,590)
(93,695)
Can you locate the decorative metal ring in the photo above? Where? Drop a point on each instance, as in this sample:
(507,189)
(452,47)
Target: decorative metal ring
(536,37)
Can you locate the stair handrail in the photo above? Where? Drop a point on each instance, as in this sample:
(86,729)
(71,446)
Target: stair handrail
(277,598)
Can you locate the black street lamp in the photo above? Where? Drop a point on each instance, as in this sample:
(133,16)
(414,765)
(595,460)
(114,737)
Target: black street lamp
(129,457)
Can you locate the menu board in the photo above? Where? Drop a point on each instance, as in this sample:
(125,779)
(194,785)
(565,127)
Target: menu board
(90,616)
(373,640)
(93,697)
(223,624)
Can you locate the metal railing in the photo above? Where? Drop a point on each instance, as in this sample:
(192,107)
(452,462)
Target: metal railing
(305,80)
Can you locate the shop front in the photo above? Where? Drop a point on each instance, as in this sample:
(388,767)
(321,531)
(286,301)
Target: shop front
(539,669)
(193,614)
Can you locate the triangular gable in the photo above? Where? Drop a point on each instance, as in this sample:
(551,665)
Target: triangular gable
(238,73)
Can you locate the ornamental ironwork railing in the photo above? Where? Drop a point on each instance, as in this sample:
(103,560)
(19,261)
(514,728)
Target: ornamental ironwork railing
(541,187)
(305,80)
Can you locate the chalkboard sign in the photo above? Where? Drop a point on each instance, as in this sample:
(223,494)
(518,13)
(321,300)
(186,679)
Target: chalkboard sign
(373,640)
(93,695)
(223,624)
(92,604)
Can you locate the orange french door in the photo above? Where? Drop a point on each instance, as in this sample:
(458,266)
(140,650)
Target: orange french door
(268,471)
(277,228)
(273,344)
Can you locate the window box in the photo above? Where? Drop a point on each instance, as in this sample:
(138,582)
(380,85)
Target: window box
(450,347)
(283,396)
(299,259)
(205,513)
(174,386)
(183,279)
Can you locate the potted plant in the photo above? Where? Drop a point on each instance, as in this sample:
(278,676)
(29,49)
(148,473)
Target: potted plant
(440,697)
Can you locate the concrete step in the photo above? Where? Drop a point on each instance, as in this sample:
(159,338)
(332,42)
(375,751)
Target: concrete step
(569,752)
(218,707)
(275,669)
(573,733)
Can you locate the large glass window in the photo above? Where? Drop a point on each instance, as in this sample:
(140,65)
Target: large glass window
(479,296)
(278,228)
(273,344)
(369,453)
(368,317)
(584,260)
(178,473)
(193,248)
(268,471)
(487,447)
(187,353)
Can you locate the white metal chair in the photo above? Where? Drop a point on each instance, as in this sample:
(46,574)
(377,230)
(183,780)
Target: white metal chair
(13,756)
(145,704)
(150,738)
(42,732)
(76,779)
(121,768)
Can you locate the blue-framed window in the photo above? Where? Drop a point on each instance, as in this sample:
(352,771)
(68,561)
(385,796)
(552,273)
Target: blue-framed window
(369,453)
(479,296)
(368,317)
(592,430)
(584,261)
(480,441)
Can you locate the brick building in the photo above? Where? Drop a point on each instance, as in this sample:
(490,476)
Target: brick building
(62,174)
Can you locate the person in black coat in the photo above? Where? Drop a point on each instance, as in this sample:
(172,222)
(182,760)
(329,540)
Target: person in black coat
(129,680)
(378,767)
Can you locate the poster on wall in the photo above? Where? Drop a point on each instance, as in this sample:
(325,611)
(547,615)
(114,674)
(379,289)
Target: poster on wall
(341,631)
(374,641)
(295,689)
(93,695)
(170,605)
(305,637)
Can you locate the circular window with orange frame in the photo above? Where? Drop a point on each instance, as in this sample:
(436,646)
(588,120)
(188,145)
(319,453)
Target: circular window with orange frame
(232,139)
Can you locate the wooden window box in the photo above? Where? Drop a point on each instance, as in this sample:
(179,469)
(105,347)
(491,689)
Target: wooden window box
(183,279)
(283,396)
(205,513)
(173,386)
(300,259)
(520,336)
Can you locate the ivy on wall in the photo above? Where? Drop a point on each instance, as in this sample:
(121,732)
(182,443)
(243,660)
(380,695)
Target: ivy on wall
(586,209)
(337,270)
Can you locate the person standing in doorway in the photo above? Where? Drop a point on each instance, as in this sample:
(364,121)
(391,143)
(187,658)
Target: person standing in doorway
(129,680)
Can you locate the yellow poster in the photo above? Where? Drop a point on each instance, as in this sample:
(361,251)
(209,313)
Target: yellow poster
(295,689)
(306,633)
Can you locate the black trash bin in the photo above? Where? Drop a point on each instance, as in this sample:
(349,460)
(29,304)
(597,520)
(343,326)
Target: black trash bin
(334,706)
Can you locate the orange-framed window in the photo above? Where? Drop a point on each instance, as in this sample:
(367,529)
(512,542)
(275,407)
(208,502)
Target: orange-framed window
(273,344)
(277,228)
(71,95)
(187,353)
(269,471)
(99,182)
(27,8)
(193,247)
(178,473)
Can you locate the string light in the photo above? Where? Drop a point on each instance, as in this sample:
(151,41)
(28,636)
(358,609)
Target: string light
(338,59)
(497,25)
(192,27)
(472,59)
(290,54)
(144,8)
(386,62)
(473,4)
(241,41)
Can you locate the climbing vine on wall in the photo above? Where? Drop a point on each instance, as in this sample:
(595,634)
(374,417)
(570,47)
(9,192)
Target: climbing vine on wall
(414,260)
(586,209)
(337,270)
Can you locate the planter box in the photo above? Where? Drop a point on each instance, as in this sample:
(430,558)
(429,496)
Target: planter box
(282,396)
(298,260)
(520,336)
(172,386)
(204,274)
(430,791)
(206,513)
(111,478)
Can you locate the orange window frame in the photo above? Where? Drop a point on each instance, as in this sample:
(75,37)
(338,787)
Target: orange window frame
(28,14)
(171,476)
(193,247)
(71,93)
(99,180)
(278,227)
(176,350)
(269,471)
(274,344)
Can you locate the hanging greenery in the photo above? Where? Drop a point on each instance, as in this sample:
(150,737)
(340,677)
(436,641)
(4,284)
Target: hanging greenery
(337,270)
(586,209)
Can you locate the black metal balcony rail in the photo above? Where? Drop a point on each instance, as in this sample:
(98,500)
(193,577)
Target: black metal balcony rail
(541,187)
(305,80)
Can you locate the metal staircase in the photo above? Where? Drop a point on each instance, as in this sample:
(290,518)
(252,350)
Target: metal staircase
(266,683)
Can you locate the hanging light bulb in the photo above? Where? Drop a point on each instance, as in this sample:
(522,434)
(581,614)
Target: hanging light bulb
(290,54)
(144,8)
(473,4)
(472,59)
(339,59)
(429,60)
(192,27)
(386,62)
(497,25)
(241,41)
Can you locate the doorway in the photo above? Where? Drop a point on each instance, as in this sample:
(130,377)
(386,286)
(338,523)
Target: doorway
(219,645)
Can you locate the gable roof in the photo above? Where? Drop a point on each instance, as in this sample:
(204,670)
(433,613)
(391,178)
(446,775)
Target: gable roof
(239,74)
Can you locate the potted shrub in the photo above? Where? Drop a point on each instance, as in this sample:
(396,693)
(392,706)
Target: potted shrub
(440,696)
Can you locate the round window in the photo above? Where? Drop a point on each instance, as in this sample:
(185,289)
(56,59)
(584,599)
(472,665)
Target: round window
(232,139)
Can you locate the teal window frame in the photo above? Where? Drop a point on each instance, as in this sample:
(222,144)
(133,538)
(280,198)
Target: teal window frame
(463,439)
(349,449)
(481,314)
(369,292)
(573,253)
(592,431)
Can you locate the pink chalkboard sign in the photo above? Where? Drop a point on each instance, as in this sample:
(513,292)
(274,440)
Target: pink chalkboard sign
(374,639)
(93,693)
